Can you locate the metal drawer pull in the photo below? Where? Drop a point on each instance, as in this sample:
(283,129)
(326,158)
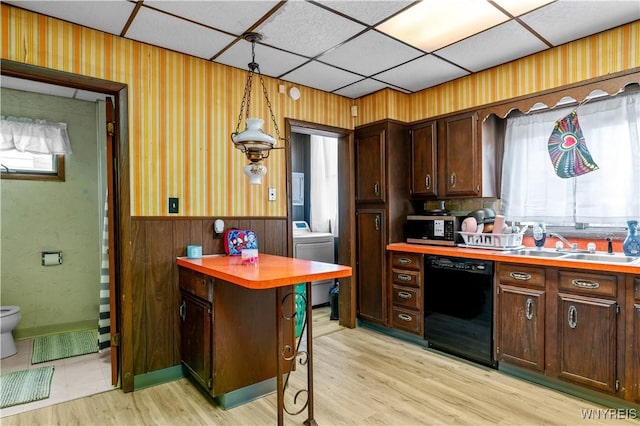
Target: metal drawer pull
(427,182)
(376,188)
(404,295)
(404,277)
(404,260)
(183,310)
(528,311)
(377,223)
(452,180)
(522,276)
(586,283)
(573,316)
(405,317)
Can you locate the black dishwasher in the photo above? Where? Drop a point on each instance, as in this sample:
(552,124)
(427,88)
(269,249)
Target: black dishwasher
(458,301)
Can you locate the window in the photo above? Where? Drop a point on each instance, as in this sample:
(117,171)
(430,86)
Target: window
(33,149)
(29,166)
(531,189)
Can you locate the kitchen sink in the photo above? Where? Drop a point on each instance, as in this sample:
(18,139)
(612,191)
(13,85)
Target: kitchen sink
(535,253)
(608,258)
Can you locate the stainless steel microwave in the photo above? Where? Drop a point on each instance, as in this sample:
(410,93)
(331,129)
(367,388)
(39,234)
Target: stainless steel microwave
(436,230)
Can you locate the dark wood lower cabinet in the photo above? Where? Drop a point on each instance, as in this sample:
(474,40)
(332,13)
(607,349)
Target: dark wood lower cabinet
(587,341)
(372,289)
(196,348)
(228,332)
(520,330)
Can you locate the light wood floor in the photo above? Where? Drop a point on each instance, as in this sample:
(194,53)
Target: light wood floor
(361,377)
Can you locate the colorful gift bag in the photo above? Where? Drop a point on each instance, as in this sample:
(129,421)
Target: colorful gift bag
(235,240)
(568,149)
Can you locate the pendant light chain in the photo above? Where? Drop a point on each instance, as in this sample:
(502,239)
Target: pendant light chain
(246,98)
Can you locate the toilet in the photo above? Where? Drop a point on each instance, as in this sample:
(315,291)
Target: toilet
(9,319)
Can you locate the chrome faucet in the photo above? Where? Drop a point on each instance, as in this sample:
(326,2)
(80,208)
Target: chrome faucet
(572,246)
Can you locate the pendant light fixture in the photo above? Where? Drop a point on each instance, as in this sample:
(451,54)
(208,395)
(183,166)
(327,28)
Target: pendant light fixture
(253,141)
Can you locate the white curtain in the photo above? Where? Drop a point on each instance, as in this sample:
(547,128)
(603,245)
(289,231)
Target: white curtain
(34,136)
(531,190)
(324,184)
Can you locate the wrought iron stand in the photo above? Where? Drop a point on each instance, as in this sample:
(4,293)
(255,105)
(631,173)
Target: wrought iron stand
(287,355)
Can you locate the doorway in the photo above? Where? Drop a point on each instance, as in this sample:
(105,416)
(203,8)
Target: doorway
(117,160)
(346,205)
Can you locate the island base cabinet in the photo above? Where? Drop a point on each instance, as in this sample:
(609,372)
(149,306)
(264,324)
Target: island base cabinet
(195,343)
(587,341)
(520,331)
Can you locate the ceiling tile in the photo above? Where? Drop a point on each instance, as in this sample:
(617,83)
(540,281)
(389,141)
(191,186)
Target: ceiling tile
(433,24)
(375,52)
(109,16)
(563,21)
(292,28)
(421,73)
(368,12)
(518,7)
(233,16)
(496,46)
(362,88)
(177,34)
(273,62)
(321,76)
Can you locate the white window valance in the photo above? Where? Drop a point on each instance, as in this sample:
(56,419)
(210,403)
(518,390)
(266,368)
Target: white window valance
(34,136)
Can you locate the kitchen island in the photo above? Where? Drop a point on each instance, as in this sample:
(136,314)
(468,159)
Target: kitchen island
(238,322)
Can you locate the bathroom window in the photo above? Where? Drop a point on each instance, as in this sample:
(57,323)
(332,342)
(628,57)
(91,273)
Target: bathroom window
(33,149)
(28,166)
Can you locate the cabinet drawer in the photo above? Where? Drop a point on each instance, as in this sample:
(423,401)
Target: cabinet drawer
(407,261)
(406,297)
(408,320)
(521,275)
(196,283)
(405,278)
(586,283)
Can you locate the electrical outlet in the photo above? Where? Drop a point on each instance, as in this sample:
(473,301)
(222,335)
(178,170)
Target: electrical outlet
(272,194)
(173,205)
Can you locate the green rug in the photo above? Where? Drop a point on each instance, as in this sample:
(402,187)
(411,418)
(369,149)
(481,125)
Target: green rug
(65,345)
(20,387)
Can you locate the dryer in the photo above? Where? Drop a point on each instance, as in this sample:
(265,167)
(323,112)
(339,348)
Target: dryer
(318,246)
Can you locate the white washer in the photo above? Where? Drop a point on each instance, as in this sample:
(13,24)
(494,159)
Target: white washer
(316,246)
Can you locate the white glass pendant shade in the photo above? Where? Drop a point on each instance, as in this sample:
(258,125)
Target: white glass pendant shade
(253,137)
(255,171)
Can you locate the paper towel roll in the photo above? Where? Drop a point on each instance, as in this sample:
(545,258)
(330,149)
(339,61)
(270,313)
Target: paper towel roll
(50,258)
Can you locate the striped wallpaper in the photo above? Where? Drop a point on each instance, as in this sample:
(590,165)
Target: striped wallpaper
(598,55)
(182,109)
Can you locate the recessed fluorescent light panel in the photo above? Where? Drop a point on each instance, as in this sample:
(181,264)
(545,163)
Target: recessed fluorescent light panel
(434,24)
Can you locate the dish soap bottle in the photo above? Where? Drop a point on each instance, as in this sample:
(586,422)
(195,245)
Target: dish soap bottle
(539,235)
(631,245)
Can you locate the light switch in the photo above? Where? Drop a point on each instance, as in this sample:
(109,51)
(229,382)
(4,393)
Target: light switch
(173,205)
(272,194)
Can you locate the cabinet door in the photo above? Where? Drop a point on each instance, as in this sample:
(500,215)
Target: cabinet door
(372,297)
(587,341)
(195,338)
(424,181)
(370,160)
(520,328)
(461,156)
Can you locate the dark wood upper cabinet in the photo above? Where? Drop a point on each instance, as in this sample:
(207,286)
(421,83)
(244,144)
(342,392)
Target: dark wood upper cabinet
(370,166)
(461,156)
(424,164)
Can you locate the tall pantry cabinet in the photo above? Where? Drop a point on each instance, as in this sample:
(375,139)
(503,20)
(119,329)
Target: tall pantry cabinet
(382,168)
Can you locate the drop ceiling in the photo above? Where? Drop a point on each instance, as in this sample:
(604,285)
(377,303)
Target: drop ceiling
(351,48)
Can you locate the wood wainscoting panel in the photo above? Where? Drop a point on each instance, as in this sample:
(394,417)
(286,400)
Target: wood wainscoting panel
(156,242)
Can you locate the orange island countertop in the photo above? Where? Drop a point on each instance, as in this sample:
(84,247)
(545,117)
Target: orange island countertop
(504,256)
(270,271)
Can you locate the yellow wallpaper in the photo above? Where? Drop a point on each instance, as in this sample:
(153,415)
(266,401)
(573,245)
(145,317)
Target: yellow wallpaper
(181,112)
(182,109)
(598,55)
